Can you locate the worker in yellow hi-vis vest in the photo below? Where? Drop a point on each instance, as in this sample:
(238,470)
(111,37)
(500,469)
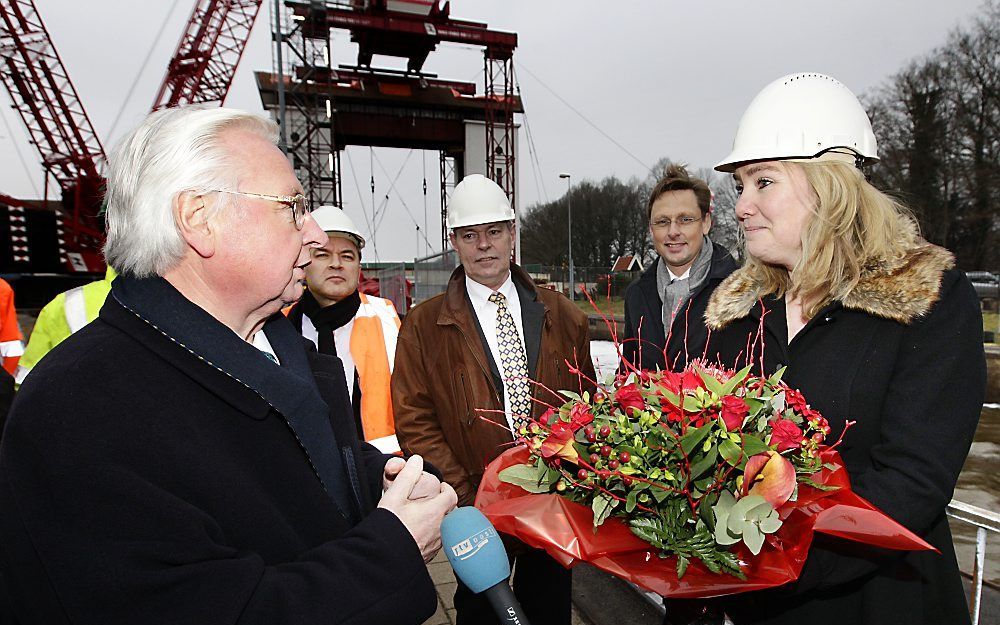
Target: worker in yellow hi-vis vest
(64,315)
(360,329)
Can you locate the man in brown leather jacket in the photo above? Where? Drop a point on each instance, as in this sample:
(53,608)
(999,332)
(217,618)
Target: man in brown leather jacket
(466,361)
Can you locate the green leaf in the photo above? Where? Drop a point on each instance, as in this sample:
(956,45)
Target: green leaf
(630,500)
(770,523)
(774,379)
(818,486)
(691,440)
(753,445)
(743,510)
(753,538)
(571,395)
(527,477)
(660,494)
(735,381)
(682,566)
(602,507)
(691,404)
(711,383)
(731,452)
(704,483)
(756,406)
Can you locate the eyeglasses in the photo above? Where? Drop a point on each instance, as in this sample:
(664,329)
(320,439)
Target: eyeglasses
(682,222)
(298,204)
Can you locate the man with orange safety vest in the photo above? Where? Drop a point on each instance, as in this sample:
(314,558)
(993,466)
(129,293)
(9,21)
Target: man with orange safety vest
(11,345)
(360,329)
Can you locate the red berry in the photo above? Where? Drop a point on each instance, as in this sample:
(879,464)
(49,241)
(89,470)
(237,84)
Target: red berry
(594,458)
(606,450)
(605,431)
(582,474)
(625,457)
(613,465)
(591,436)
(604,474)
(599,397)
(626,480)
(589,430)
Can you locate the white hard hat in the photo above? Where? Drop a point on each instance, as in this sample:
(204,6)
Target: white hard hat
(801,116)
(478,200)
(334,221)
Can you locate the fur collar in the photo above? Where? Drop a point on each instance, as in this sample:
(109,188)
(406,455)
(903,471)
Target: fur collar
(902,289)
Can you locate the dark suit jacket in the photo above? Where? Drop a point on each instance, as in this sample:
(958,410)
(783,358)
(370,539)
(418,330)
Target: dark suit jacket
(142,484)
(646,339)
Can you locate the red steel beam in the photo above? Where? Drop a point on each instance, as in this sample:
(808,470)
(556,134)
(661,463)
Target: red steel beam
(45,97)
(435,27)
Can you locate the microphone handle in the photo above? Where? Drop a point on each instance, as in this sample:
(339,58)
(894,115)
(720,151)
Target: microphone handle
(505,604)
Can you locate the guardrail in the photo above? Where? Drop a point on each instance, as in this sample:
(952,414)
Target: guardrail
(985,522)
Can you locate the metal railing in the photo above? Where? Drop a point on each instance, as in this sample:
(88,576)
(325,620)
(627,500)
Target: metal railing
(984,521)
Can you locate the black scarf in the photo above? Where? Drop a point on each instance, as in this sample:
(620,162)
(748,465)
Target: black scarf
(328,319)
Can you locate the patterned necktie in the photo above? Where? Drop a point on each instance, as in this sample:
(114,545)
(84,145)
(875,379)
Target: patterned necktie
(514,363)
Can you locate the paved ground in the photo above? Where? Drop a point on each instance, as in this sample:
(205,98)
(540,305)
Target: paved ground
(444,582)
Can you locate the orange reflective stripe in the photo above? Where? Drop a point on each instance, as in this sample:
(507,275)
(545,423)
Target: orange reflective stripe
(372,363)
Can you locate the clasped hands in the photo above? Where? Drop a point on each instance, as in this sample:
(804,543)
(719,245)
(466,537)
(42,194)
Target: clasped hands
(419,500)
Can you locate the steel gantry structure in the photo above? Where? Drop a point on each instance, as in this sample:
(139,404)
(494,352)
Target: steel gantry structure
(326,106)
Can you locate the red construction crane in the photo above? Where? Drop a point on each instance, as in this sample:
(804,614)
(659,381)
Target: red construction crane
(48,104)
(201,71)
(202,68)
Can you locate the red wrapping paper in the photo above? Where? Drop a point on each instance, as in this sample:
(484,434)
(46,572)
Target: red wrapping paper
(565,530)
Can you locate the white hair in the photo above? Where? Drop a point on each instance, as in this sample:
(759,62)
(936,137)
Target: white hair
(172,151)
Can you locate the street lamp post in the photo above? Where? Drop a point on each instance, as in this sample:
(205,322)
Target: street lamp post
(569,221)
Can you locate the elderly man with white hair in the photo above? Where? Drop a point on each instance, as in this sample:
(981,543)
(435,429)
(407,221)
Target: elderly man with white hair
(185,458)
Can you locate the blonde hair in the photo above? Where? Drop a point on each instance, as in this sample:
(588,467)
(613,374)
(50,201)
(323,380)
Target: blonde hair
(853,227)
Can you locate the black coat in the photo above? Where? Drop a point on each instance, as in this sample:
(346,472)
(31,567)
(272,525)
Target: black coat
(903,357)
(644,318)
(141,484)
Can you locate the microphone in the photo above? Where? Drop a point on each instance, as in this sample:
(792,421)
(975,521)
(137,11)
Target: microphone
(478,556)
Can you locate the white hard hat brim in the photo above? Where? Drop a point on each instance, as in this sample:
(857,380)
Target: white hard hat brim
(350,236)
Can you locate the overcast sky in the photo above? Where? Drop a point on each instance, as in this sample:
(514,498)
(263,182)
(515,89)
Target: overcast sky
(661,78)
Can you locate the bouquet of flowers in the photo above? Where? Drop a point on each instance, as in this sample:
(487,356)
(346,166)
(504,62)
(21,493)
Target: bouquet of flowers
(725,473)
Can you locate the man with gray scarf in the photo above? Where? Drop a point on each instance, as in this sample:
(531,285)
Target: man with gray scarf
(664,307)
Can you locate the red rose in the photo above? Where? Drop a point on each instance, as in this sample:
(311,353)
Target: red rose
(579,416)
(785,435)
(629,397)
(796,401)
(734,410)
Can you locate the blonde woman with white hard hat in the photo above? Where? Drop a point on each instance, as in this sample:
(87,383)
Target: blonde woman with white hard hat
(875,325)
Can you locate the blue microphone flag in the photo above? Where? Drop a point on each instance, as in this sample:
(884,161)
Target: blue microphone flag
(474,549)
